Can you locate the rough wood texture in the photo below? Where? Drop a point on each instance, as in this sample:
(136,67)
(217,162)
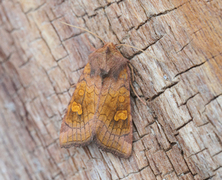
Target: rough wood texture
(177,136)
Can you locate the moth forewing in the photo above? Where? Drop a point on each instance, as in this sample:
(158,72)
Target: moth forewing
(100,106)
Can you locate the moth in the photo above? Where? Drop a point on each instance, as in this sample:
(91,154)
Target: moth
(100,109)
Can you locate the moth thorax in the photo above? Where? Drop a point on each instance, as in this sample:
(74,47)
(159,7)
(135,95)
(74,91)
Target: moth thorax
(103,72)
(104,64)
(104,68)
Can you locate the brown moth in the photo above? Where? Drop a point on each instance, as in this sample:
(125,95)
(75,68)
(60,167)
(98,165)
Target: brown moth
(100,108)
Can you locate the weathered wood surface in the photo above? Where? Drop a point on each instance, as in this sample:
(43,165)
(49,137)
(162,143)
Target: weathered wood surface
(177,136)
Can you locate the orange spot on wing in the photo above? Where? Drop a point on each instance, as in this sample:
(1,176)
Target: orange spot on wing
(81,92)
(77,108)
(121,99)
(120,115)
(122,90)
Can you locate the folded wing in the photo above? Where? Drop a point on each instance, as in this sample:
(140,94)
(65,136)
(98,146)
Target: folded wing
(78,123)
(113,117)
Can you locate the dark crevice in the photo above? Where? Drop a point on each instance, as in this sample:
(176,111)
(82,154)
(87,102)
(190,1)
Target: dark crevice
(39,7)
(143,50)
(214,98)
(208,178)
(185,46)
(78,34)
(60,59)
(7,58)
(177,129)
(192,67)
(161,92)
(182,104)
(137,172)
(194,154)
(160,14)
(26,62)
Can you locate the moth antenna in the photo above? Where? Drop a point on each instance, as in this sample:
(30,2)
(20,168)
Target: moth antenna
(131,68)
(84,30)
(136,93)
(139,50)
(132,72)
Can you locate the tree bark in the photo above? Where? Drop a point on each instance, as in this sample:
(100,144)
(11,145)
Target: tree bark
(178,135)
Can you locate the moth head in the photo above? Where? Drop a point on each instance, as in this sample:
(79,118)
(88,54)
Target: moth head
(106,60)
(108,52)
